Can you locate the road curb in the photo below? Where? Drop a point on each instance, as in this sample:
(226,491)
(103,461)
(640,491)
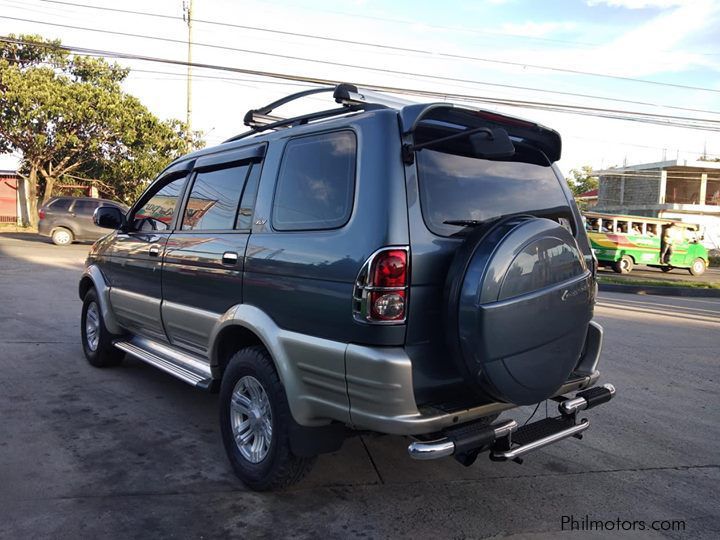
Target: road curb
(660,290)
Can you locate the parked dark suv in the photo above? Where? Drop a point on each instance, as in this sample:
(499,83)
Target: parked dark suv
(69,219)
(407,269)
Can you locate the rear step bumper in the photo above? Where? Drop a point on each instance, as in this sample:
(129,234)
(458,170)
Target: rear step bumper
(507,441)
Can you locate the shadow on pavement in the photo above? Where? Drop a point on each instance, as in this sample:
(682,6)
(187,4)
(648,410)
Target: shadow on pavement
(27,236)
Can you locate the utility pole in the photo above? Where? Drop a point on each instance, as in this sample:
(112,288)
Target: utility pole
(187,16)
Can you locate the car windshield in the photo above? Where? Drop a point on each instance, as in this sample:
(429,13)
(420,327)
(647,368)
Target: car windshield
(460,188)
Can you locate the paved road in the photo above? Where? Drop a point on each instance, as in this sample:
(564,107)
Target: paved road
(133,453)
(711,275)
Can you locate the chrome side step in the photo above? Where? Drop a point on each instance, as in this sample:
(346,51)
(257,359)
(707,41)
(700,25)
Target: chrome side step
(170,360)
(518,451)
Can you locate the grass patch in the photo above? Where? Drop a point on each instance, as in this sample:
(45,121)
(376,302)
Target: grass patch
(658,282)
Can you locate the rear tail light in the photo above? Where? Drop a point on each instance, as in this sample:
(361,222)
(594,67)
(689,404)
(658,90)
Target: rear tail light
(380,294)
(41,213)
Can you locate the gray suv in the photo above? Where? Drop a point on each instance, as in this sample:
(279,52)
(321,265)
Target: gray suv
(408,269)
(70,219)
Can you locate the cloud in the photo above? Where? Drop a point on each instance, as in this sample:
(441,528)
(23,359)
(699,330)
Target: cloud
(538,29)
(653,47)
(639,4)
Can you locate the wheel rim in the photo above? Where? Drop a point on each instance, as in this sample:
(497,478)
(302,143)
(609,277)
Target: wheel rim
(251,419)
(698,267)
(625,264)
(92,326)
(62,237)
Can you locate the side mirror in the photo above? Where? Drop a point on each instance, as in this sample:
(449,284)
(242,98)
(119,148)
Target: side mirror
(109,217)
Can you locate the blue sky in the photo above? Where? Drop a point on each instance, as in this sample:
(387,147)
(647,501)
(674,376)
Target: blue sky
(671,41)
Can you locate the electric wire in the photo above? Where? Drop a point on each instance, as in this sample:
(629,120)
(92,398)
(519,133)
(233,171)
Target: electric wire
(383,45)
(617,114)
(352,66)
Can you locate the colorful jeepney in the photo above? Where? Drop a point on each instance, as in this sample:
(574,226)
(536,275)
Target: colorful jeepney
(621,242)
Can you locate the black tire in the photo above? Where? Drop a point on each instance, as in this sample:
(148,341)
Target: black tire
(104,354)
(624,265)
(666,269)
(62,236)
(279,468)
(698,267)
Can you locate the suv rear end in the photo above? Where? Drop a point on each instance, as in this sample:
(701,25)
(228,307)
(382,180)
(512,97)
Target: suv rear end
(412,270)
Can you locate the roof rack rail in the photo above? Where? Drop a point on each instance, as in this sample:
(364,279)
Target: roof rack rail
(347,95)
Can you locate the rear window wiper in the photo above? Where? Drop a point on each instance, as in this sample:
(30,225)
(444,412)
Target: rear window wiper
(463,222)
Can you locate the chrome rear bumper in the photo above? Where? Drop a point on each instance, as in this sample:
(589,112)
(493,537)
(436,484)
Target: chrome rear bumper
(498,438)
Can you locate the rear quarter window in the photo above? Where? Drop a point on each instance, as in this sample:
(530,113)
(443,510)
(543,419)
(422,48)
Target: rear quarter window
(457,187)
(59,205)
(316,183)
(85,207)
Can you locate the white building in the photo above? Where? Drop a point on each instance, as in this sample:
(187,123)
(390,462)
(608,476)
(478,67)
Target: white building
(687,191)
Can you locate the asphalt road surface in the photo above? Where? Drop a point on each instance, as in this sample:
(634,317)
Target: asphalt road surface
(131,452)
(711,275)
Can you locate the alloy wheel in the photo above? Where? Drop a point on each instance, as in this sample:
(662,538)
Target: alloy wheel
(92,326)
(251,419)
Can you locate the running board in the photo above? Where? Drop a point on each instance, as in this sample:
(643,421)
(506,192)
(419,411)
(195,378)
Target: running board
(170,360)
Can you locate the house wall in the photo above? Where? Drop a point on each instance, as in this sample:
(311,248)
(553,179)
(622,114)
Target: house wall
(630,189)
(8,199)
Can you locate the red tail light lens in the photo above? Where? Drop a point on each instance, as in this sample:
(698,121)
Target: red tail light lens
(41,213)
(381,291)
(390,269)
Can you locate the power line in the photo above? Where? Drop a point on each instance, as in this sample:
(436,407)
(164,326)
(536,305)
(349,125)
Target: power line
(354,15)
(391,47)
(384,19)
(665,120)
(176,76)
(183,76)
(623,143)
(356,66)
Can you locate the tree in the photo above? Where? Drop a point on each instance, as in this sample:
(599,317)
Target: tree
(582,180)
(68,115)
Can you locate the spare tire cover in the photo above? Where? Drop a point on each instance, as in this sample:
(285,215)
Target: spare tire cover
(518,301)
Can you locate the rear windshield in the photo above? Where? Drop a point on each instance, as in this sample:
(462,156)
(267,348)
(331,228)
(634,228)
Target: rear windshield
(457,187)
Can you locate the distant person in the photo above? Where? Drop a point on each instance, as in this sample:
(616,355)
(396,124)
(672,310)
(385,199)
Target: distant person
(636,230)
(671,235)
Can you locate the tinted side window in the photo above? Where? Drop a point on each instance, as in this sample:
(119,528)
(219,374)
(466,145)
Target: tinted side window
(157,212)
(59,205)
(247,204)
(316,183)
(214,199)
(85,208)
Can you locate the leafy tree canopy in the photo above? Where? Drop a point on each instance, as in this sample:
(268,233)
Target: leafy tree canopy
(582,180)
(68,115)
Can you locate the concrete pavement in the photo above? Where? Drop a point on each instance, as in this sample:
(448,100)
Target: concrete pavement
(130,452)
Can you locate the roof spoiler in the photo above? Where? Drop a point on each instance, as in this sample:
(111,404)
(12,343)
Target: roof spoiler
(544,139)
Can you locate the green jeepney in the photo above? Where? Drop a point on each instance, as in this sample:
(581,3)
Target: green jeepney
(621,242)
